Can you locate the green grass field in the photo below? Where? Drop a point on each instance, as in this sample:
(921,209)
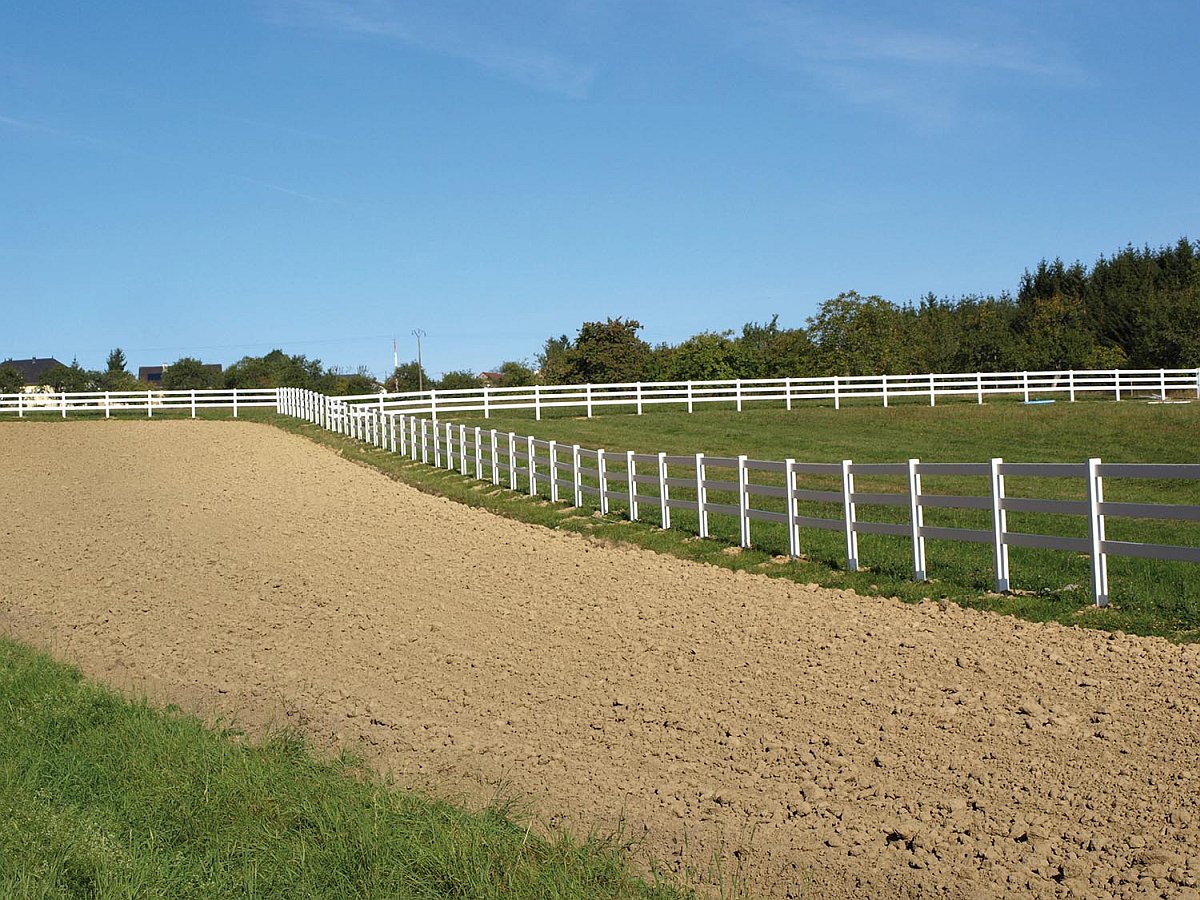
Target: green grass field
(1149,597)
(103,797)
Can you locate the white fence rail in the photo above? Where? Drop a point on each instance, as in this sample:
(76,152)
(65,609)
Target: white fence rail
(572,472)
(148,402)
(1117,384)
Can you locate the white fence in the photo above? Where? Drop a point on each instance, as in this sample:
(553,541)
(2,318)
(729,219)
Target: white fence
(1117,384)
(148,402)
(641,480)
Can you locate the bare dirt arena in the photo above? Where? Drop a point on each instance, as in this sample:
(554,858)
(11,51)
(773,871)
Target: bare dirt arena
(827,744)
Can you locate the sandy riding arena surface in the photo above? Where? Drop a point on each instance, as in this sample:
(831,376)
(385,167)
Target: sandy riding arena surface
(822,744)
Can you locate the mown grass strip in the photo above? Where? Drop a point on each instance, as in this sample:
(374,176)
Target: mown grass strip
(104,797)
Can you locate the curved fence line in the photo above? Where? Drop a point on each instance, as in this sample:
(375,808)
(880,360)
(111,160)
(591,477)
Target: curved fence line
(748,488)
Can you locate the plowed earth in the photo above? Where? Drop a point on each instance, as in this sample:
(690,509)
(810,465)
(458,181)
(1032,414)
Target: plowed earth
(820,743)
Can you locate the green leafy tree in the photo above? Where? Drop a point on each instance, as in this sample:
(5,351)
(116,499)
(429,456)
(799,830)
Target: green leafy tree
(608,351)
(72,379)
(358,382)
(458,380)
(554,361)
(116,376)
(516,374)
(987,339)
(278,369)
(11,381)
(707,356)
(856,335)
(410,376)
(189,374)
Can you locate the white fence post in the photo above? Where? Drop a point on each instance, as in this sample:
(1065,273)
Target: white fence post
(495,458)
(787,394)
(64,404)
(235,403)
(462,450)
(837,393)
(279,400)
(412,437)
(916,519)
(107,405)
(932,392)
(512,461)
(689,397)
(576,476)
(392,428)
(701,496)
(603,477)
(21,398)
(639,398)
(587,393)
(1095,497)
(743,503)
(531,462)
(1117,383)
(1025,385)
(848,516)
(631,485)
(425,441)
(537,402)
(193,404)
(789,474)
(1162,383)
(737,387)
(999,526)
(478,454)
(1071,384)
(403,435)
(487,411)
(979,387)
(663,493)
(553,471)
(885,396)
(432,405)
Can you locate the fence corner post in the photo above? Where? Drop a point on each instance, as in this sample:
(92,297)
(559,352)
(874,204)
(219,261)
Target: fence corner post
(701,497)
(663,492)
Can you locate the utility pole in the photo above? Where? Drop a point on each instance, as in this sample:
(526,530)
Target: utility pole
(419,333)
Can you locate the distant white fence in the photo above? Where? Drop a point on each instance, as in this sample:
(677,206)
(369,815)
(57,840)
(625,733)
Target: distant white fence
(1117,384)
(642,480)
(148,402)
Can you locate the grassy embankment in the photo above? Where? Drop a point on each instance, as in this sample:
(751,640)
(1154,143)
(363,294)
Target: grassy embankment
(103,797)
(1148,597)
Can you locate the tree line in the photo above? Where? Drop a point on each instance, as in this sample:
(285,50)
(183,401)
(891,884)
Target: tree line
(1138,309)
(275,369)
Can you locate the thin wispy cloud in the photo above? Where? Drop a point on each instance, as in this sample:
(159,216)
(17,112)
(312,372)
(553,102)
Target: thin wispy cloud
(108,146)
(442,29)
(919,72)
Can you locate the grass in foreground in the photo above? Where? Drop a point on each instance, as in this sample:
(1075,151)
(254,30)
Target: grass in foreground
(102,797)
(1148,597)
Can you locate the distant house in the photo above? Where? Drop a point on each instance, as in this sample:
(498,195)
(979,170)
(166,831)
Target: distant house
(154,374)
(33,371)
(491,379)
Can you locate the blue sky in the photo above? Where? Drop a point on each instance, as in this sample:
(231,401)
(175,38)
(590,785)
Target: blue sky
(220,178)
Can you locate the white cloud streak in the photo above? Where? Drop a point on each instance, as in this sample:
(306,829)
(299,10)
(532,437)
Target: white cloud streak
(439,29)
